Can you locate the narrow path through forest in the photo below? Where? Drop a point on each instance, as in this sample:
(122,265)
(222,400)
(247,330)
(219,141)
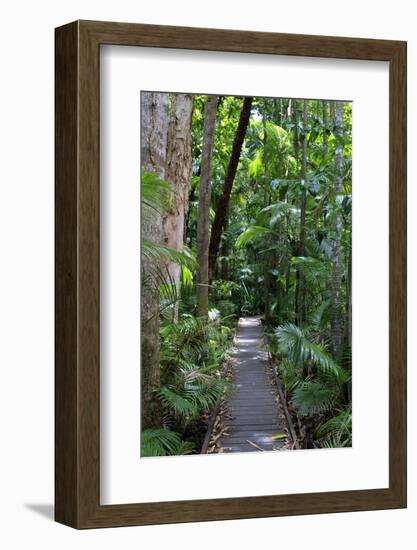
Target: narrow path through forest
(252,422)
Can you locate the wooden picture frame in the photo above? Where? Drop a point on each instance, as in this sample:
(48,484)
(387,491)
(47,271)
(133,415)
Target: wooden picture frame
(77,405)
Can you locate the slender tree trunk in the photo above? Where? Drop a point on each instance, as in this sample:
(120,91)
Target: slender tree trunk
(288,275)
(223,203)
(337,267)
(191,199)
(224,252)
(302,298)
(294,120)
(332,112)
(325,129)
(154,109)
(348,321)
(203,223)
(299,288)
(348,306)
(266,262)
(178,174)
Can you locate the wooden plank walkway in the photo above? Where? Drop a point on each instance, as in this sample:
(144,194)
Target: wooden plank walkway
(252,418)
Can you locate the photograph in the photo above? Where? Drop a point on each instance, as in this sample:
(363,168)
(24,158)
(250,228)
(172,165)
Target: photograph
(246,253)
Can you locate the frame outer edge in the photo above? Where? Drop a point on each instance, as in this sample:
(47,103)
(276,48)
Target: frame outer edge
(89,274)
(398,274)
(77,276)
(66,275)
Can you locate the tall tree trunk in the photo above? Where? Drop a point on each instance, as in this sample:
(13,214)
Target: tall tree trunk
(302,298)
(299,282)
(288,273)
(337,267)
(154,132)
(178,174)
(224,252)
(294,120)
(325,128)
(348,306)
(223,203)
(348,322)
(203,223)
(191,199)
(266,262)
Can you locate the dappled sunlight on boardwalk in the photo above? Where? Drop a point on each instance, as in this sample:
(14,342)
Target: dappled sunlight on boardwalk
(252,422)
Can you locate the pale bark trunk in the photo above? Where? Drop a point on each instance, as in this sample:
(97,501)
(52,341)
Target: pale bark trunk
(337,268)
(178,174)
(203,223)
(153,159)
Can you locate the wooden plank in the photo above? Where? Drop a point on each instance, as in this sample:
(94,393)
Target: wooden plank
(269,428)
(256,418)
(252,410)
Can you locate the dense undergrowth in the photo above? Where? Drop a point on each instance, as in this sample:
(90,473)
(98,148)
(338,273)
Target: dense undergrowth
(192,354)
(316,387)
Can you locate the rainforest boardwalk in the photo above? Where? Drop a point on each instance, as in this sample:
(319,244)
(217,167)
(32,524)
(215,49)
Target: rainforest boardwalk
(246,212)
(253,418)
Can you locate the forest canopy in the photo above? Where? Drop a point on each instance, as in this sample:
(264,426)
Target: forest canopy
(246,209)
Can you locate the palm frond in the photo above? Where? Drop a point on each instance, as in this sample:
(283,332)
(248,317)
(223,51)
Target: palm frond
(156,195)
(299,349)
(332,443)
(320,317)
(338,428)
(289,373)
(175,400)
(252,235)
(163,442)
(312,397)
(156,252)
(274,213)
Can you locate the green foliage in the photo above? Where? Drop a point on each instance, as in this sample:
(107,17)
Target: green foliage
(156,195)
(290,374)
(320,318)
(163,442)
(157,252)
(314,381)
(191,393)
(301,350)
(251,235)
(156,257)
(192,353)
(312,397)
(277,213)
(337,431)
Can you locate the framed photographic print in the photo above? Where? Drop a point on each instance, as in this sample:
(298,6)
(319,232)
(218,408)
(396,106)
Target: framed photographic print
(230,274)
